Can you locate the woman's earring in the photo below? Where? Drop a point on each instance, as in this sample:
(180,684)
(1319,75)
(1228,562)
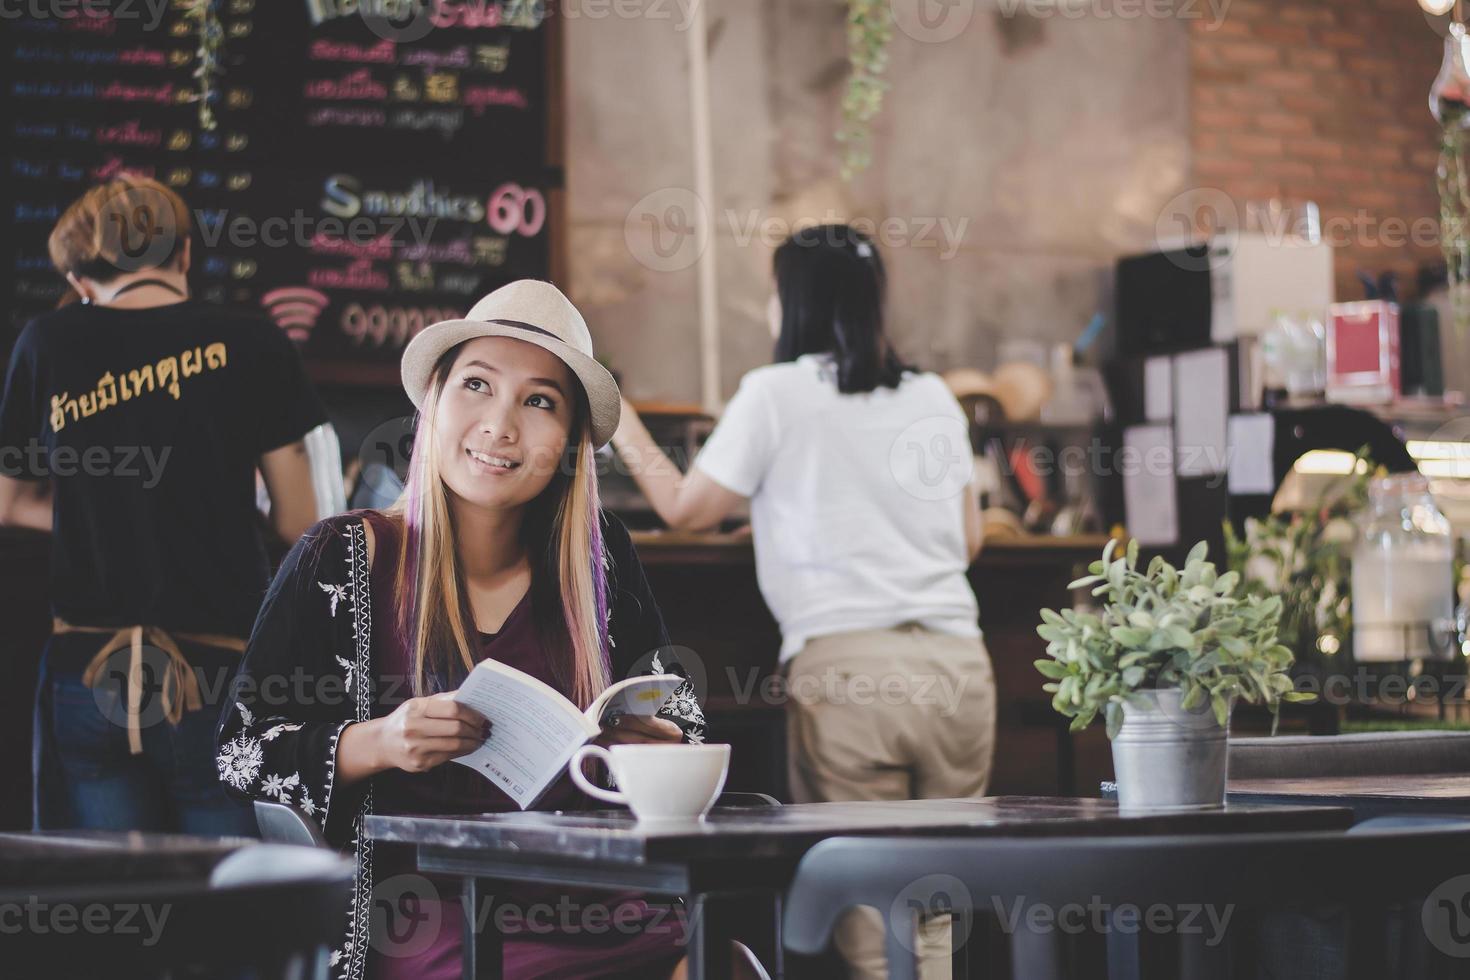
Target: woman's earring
(86,300)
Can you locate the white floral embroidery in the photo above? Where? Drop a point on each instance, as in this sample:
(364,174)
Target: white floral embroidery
(346,669)
(683,704)
(337,593)
(279,786)
(239,762)
(336,956)
(308,806)
(272,732)
(246,718)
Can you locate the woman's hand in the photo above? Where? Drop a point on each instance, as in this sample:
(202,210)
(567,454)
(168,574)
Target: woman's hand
(422,733)
(632,730)
(685,502)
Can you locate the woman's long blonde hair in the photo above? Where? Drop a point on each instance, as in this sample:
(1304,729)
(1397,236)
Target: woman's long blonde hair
(562,533)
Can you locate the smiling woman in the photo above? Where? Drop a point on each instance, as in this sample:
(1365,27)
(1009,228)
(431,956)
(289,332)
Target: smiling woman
(498,548)
(504,430)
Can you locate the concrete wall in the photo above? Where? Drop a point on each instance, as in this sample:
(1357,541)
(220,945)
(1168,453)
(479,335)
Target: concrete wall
(1022,147)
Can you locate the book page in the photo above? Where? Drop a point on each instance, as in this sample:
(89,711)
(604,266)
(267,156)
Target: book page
(639,696)
(534,730)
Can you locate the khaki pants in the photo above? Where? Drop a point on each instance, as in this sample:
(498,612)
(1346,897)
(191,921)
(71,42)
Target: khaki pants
(892,714)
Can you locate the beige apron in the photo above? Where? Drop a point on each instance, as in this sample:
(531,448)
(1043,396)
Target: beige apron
(180,687)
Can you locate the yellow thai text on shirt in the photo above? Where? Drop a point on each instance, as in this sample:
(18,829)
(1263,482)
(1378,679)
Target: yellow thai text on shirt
(129,384)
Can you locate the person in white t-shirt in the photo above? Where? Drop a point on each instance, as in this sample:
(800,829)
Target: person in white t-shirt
(865,521)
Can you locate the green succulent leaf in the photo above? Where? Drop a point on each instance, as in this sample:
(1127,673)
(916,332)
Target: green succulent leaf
(1130,636)
(1192,698)
(1141,620)
(1052,669)
(1221,705)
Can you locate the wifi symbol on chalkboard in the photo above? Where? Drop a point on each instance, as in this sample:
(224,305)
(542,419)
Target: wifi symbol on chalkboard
(295,309)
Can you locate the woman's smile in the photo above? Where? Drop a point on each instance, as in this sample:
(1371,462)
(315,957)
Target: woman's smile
(491,464)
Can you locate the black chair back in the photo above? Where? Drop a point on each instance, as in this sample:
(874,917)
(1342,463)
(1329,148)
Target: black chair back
(746,800)
(283,823)
(1028,883)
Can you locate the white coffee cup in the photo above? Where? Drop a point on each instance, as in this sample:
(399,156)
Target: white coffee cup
(659,782)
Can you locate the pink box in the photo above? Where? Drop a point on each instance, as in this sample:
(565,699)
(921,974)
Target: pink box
(1363,352)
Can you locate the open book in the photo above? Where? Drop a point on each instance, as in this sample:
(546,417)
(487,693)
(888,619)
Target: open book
(535,729)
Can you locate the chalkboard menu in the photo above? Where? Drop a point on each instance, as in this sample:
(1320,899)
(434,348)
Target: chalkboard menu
(353,176)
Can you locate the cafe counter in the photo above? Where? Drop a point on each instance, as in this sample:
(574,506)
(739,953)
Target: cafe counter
(707,591)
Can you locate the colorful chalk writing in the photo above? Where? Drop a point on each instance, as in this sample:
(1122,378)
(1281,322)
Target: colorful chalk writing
(384,182)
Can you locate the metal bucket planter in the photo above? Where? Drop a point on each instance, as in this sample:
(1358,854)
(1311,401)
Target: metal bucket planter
(1168,758)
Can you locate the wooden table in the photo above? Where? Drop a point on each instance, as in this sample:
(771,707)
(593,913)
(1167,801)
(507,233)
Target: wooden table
(1443,794)
(738,851)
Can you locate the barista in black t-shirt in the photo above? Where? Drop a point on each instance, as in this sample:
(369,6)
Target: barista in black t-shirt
(131,427)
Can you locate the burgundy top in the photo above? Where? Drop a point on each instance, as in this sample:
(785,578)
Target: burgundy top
(450,788)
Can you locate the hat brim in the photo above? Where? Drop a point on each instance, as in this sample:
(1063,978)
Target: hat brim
(604,402)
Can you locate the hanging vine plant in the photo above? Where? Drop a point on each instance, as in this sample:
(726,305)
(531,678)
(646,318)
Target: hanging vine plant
(1449,100)
(869,28)
(1454,218)
(211,36)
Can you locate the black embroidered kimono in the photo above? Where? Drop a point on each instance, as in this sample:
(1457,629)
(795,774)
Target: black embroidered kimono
(310,671)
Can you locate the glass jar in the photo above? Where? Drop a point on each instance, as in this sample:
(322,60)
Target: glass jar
(1294,355)
(1403,575)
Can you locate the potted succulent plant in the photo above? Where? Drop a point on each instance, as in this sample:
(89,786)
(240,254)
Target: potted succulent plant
(1164,659)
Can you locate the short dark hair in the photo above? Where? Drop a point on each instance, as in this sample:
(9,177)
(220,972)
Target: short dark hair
(830,281)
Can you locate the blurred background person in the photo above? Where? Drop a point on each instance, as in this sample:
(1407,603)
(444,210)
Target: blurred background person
(131,426)
(862,547)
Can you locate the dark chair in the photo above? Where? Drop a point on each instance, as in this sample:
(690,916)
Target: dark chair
(1364,754)
(273,910)
(746,799)
(1368,874)
(283,823)
(1408,821)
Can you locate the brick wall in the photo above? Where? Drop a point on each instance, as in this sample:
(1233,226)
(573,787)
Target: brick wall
(1328,102)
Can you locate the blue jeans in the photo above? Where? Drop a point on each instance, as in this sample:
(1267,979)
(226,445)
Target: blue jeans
(86,775)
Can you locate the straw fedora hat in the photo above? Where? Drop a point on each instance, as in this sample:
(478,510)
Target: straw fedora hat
(529,310)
